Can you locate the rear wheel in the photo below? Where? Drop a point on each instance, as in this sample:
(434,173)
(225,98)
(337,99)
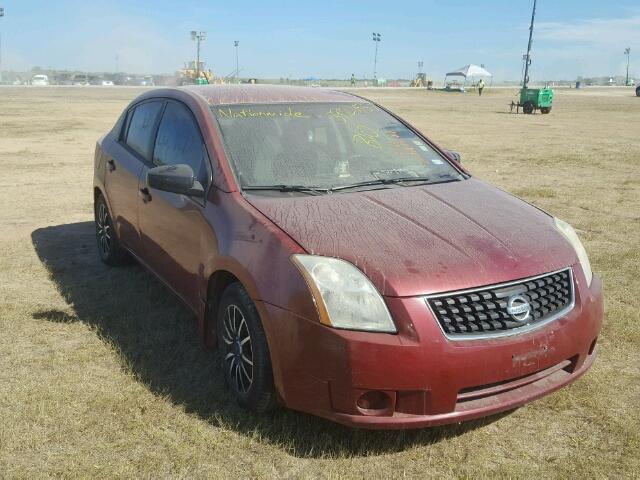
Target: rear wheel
(527,108)
(109,247)
(638,91)
(244,351)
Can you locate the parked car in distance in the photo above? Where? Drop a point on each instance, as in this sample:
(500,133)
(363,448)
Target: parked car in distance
(101,82)
(40,80)
(342,263)
(80,80)
(146,81)
(63,79)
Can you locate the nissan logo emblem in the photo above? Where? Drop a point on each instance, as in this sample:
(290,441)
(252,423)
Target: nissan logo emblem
(518,307)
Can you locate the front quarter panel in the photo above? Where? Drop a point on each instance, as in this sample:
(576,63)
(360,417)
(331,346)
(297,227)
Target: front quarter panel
(258,253)
(246,244)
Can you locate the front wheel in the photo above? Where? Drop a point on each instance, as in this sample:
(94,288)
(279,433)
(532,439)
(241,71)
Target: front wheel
(545,110)
(244,351)
(638,91)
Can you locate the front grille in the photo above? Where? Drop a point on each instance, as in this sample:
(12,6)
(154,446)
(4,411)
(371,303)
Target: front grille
(483,311)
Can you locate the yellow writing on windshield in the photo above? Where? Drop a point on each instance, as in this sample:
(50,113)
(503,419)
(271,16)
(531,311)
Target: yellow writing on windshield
(367,136)
(249,113)
(344,113)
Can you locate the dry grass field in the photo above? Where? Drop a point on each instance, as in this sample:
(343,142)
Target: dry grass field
(102,374)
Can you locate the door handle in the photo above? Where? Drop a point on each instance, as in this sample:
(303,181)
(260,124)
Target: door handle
(146,194)
(112,164)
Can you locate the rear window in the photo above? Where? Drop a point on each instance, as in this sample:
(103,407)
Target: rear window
(139,134)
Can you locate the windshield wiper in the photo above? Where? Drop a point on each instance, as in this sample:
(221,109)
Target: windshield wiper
(288,188)
(380,181)
(395,181)
(320,190)
(448,180)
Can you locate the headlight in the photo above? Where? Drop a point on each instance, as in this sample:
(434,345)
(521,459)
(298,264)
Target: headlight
(344,296)
(569,233)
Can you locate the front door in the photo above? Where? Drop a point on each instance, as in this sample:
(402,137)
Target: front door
(172,225)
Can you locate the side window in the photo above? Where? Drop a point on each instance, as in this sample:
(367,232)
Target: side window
(179,141)
(139,135)
(125,126)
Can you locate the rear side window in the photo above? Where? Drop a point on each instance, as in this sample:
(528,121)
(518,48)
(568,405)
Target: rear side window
(140,131)
(125,125)
(179,141)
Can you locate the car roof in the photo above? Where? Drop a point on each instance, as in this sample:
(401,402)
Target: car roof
(256,94)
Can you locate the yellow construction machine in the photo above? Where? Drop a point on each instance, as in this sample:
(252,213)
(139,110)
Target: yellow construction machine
(190,75)
(421,80)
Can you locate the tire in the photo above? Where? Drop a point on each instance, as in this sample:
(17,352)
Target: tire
(109,247)
(244,352)
(638,91)
(545,110)
(527,108)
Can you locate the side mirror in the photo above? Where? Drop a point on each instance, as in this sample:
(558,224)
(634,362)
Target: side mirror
(175,179)
(455,156)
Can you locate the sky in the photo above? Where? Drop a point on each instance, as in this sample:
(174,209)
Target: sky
(324,38)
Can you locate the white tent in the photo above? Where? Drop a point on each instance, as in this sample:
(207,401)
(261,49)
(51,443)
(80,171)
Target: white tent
(470,71)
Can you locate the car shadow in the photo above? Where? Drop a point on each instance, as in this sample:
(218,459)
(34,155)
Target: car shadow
(157,338)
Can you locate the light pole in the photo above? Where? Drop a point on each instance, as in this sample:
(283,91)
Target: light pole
(235,44)
(376,39)
(525,80)
(627,52)
(1,15)
(198,37)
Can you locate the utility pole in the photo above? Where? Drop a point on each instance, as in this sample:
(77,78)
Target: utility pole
(376,39)
(198,37)
(1,15)
(525,80)
(235,44)
(627,52)
(420,65)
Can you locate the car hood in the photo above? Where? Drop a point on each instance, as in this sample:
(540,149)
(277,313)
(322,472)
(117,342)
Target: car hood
(425,239)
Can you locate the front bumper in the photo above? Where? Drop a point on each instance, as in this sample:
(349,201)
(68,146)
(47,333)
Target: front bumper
(428,379)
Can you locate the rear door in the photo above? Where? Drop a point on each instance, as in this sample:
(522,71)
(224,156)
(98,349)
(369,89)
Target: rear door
(124,167)
(172,225)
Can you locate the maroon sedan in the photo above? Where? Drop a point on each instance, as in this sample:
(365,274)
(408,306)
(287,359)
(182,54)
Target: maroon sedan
(342,263)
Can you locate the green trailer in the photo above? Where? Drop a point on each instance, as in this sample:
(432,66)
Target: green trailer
(532,99)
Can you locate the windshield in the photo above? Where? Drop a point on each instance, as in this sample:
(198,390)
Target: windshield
(325,146)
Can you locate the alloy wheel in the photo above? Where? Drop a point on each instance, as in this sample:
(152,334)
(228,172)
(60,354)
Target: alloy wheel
(238,359)
(103,230)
